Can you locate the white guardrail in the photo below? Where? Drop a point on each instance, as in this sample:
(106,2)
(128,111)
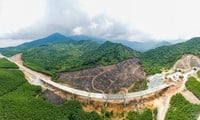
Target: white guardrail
(92,95)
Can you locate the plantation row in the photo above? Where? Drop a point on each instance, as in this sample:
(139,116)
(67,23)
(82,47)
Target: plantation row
(194,86)
(21,101)
(181,109)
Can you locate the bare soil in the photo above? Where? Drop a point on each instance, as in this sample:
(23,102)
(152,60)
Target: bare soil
(187,62)
(52,97)
(18,59)
(105,79)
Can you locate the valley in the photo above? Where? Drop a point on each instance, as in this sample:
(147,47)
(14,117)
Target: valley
(161,103)
(112,77)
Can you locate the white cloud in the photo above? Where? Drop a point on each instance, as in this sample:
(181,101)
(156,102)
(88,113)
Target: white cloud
(16,14)
(78,30)
(114,19)
(162,19)
(11,42)
(93,26)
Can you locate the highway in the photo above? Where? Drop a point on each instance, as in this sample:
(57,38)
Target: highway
(99,96)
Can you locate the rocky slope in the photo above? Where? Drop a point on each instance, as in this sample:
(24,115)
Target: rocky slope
(105,79)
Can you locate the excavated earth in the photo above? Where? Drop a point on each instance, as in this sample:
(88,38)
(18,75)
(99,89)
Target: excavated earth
(52,97)
(105,79)
(187,62)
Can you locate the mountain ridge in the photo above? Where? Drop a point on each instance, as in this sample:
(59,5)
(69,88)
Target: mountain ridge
(58,37)
(164,57)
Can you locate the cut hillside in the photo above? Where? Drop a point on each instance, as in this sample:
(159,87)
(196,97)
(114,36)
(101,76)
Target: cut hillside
(187,62)
(112,66)
(166,56)
(105,79)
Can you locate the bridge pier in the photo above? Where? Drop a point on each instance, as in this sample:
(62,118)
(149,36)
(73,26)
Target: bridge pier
(141,101)
(88,99)
(107,98)
(124,99)
(73,97)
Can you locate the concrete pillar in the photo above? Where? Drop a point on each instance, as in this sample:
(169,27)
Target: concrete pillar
(142,101)
(124,97)
(88,99)
(107,98)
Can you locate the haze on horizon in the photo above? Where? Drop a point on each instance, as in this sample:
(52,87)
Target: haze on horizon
(134,20)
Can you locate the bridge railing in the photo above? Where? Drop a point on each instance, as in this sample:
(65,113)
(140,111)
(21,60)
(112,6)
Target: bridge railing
(106,96)
(92,95)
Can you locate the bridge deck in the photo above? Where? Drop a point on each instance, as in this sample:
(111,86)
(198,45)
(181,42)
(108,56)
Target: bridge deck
(92,95)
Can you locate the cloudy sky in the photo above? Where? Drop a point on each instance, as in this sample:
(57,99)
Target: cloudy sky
(135,20)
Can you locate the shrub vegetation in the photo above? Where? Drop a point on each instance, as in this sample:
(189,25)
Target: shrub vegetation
(145,115)
(21,101)
(194,86)
(181,109)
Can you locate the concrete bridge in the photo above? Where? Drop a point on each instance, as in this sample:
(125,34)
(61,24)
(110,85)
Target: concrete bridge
(38,80)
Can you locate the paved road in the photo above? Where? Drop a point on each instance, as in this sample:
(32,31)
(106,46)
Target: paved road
(91,95)
(164,104)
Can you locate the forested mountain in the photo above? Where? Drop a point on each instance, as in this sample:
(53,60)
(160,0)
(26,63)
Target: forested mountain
(68,56)
(57,53)
(50,58)
(85,37)
(166,56)
(54,38)
(108,53)
(143,46)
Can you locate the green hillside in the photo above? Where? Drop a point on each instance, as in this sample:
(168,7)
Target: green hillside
(193,85)
(21,101)
(166,56)
(6,64)
(52,58)
(108,53)
(68,56)
(53,38)
(181,109)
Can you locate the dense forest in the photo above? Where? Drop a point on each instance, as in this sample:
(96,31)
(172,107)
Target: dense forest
(57,53)
(21,101)
(68,56)
(52,58)
(144,115)
(181,109)
(194,86)
(165,57)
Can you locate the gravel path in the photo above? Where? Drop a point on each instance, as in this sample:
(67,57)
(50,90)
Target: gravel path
(189,96)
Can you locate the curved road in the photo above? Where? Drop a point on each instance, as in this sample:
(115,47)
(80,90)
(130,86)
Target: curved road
(99,96)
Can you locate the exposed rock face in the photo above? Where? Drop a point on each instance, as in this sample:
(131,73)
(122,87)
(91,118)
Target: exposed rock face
(187,62)
(52,97)
(105,79)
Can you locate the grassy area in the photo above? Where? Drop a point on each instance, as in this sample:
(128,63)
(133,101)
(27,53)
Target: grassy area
(194,86)
(145,115)
(21,101)
(198,74)
(10,80)
(6,64)
(181,109)
(138,86)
